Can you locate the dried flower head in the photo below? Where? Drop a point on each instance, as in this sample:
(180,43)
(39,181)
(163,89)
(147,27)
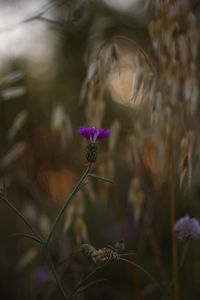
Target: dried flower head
(187,227)
(185,164)
(89,251)
(105,254)
(100,255)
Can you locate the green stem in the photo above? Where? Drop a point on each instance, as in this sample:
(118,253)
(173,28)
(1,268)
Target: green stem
(21,216)
(172,214)
(76,189)
(54,272)
(185,249)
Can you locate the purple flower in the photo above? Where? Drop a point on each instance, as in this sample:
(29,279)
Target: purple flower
(187,227)
(92,134)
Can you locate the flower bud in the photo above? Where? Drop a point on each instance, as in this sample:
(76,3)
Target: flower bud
(92,153)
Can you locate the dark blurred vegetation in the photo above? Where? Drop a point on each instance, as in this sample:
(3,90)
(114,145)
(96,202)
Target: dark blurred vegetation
(46,94)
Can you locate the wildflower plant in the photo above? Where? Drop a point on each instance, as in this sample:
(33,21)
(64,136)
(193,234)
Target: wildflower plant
(187,228)
(103,255)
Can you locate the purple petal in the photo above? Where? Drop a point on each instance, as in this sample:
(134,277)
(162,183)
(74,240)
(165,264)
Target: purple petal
(103,133)
(187,227)
(92,134)
(84,132)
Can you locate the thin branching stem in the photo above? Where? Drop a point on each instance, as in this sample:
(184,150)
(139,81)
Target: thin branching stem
(185,249)
(5,199)
(46,244)
(76,189)
(59,284)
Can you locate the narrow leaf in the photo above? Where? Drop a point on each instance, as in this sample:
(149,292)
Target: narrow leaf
(29,236)
(127,254)
(99,177)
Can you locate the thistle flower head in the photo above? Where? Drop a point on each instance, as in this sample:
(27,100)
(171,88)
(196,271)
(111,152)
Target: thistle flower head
(88,250)
(106,254)
(187,227)
(92,134)
(100,255)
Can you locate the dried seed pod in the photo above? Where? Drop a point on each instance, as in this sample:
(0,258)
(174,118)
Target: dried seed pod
(17,124)
(136,197)
(185,164)
(92,86)
(13,154)
(138,79)
(96,80)
(95,112)
(114,53)
(86,87)
(89,251)
(147,84)
(114,134)
(114,56)
(61,123)
(106,254)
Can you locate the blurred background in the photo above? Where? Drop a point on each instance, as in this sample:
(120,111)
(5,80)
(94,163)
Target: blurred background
(131,66)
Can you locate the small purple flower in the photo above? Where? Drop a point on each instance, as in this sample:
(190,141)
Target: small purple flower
(187,227)
(92,134)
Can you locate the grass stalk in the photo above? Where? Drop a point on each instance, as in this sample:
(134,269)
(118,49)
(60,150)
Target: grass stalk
(172,214)
(59,284)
